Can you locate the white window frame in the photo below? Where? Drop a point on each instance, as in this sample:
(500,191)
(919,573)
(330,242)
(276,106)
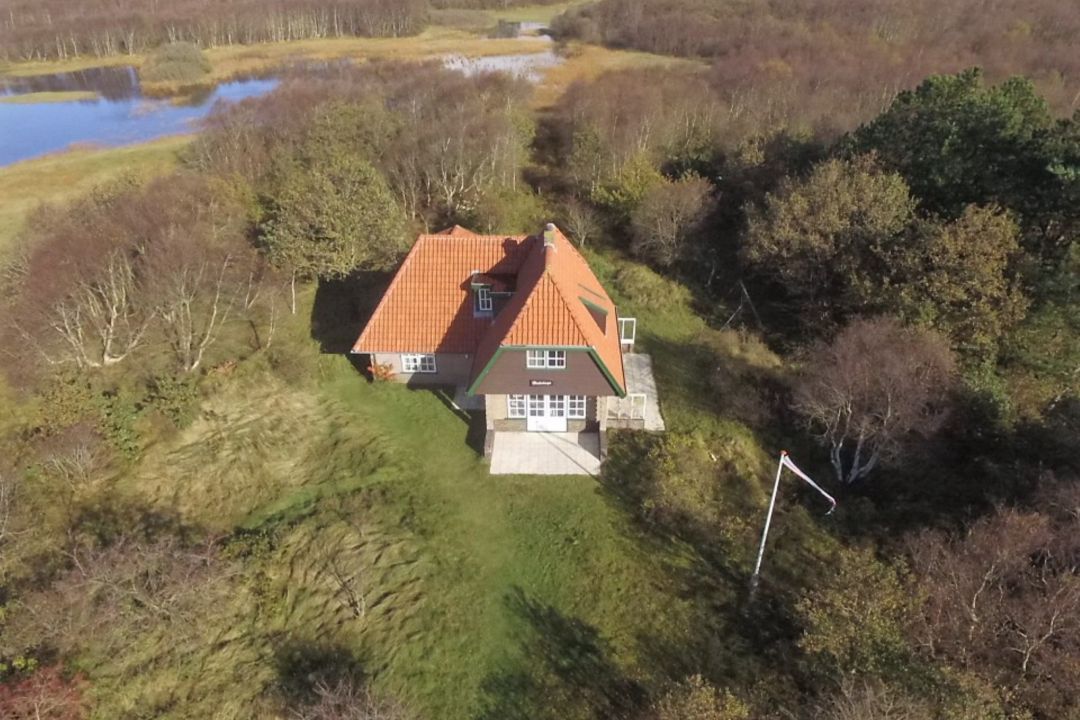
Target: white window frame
(484,302)
(413,363)
(516,406)
(556,406)
(545,359)
(576,407)
(536,407)
(627,331)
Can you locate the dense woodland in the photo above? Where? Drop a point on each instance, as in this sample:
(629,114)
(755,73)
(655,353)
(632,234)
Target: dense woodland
(834,63)
(886,286)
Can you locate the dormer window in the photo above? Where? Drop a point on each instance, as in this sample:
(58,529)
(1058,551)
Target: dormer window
(484,305)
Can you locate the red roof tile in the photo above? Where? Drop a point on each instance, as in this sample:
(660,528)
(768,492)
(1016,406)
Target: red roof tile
(428,307)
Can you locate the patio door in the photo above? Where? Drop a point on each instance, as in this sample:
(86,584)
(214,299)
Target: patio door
(546,413)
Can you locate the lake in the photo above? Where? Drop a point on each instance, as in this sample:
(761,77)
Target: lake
(120,116)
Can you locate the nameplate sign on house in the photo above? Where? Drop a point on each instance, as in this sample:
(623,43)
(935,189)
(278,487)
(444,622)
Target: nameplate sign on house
(539,383)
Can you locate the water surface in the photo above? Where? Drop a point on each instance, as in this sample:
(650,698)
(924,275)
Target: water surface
(120,116)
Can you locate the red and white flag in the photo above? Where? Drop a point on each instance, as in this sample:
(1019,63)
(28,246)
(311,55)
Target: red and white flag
(786,462)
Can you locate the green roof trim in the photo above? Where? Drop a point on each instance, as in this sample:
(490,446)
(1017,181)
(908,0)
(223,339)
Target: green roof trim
(569,348)
(593,306)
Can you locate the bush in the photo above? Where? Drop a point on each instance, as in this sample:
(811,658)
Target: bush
(175,398)
(179,62)
(644,287)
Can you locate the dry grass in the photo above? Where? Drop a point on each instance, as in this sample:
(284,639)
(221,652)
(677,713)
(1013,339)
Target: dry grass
(586,62)
(27,184)
(234,60)
(48,97)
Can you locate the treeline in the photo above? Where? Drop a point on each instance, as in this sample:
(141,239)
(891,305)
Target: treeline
(838,62)
(51,29)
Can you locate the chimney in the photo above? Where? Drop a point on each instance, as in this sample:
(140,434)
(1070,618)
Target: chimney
(549,235)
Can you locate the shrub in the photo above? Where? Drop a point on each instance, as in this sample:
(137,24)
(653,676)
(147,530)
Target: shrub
(855,620)
(175,398)
(696,699)
(179,62)
(644,287)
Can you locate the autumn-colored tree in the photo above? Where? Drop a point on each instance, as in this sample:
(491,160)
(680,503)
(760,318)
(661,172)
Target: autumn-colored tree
(959,277)
(1003,599)
(696,699)
(45,694)
(869,390)
(855,619)
(819,236)
(669,216)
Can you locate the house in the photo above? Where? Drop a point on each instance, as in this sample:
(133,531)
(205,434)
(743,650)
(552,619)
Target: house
(521,327)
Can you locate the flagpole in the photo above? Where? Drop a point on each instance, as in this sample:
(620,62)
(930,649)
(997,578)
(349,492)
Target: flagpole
(768,521)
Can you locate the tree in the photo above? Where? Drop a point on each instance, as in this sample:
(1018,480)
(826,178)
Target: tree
(1003,598)
(818,236)
(958,277)
(80,301)
(871,701)
(958,142)
(43,695)
(854,621)
(346,699)
(331,218)
(876,384)
(696,699)
(580,220)
(670,214)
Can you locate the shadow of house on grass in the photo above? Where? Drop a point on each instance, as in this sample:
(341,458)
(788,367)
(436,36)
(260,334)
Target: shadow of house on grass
(570,668)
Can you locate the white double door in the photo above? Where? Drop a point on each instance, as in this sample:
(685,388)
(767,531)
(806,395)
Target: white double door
(546,413)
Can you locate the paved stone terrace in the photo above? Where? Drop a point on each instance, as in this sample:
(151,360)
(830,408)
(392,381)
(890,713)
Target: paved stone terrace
(540,453)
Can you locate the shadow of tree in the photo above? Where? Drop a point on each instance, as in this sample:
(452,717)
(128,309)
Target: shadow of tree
(300,664)
(342,308)
(108,516)
(570,671)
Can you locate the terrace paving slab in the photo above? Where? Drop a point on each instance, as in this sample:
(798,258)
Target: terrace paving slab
(542,453)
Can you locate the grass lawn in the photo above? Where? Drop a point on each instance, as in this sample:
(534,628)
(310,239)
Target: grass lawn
(27,184)
(483,592)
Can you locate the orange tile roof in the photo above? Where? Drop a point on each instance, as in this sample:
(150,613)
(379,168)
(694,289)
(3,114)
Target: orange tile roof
(428,307)
(548,309)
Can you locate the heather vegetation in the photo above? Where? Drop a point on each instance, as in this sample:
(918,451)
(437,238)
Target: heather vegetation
(207,511)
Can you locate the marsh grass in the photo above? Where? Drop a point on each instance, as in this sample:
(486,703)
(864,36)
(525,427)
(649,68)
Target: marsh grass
(25,185)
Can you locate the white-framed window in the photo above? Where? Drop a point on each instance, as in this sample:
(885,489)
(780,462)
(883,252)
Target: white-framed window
(575,408)
(483,300)
(556,405)
(536,406)
(418,363)
(540,359)
(515,406)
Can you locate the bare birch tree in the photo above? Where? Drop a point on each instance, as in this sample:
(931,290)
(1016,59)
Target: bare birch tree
(873,387)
